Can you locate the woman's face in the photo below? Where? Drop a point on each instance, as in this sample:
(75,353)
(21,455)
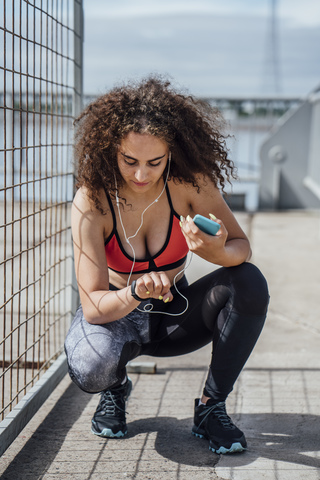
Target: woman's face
(142,159)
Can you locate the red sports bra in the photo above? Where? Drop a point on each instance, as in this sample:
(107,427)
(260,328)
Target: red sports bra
(172,254)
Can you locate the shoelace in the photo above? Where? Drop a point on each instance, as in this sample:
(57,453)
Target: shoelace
(220,413)
(110,402)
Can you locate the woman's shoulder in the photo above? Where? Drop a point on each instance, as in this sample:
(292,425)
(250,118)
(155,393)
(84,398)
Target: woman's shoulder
(83,204)
(83,198)
(203,185)
(187,197)
(85,215)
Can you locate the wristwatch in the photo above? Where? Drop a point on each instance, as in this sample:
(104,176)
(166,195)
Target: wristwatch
(133,292)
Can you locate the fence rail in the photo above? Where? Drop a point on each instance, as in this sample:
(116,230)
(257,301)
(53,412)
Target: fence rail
(40,96)
(250,120)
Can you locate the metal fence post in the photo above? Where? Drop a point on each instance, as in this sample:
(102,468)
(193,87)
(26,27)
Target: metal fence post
(77,102)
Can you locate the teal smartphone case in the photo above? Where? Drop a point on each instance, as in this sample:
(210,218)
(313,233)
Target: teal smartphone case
(206,225)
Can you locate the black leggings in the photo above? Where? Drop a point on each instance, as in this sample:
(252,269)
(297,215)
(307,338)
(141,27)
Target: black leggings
(226,307)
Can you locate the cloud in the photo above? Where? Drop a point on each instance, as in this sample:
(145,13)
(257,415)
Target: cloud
(299,14)
(147,8)
(209,53)
(306,13)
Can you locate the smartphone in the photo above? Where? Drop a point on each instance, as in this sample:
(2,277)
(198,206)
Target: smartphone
(206,225)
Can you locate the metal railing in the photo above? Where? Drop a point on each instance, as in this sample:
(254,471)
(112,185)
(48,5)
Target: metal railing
(250,121)
(312,180)
(40,77)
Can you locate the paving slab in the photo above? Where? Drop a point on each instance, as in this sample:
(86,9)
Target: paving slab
(277,396)
(275,401)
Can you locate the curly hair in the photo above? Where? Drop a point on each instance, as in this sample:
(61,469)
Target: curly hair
(191,128)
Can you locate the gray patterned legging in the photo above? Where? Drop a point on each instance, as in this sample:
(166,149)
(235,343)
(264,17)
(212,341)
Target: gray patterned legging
(226,307)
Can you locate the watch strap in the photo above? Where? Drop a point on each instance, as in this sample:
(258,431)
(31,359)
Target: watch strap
(133,292)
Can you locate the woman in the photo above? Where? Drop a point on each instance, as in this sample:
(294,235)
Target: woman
(149,159)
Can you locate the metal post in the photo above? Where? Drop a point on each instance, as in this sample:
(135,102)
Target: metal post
(77,102)
(78,57)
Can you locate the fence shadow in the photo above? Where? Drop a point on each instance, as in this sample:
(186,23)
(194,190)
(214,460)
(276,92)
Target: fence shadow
(38,453)
(278,437)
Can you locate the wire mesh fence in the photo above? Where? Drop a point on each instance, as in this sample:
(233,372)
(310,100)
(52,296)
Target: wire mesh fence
(39,96)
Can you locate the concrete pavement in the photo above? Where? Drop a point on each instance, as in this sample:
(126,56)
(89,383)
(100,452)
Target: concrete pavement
(276,400)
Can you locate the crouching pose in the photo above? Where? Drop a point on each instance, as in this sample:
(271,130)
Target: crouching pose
(149,159)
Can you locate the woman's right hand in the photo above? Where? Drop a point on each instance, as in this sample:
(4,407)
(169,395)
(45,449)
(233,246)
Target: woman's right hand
(154,285)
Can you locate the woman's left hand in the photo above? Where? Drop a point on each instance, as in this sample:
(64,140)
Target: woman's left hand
(210,247)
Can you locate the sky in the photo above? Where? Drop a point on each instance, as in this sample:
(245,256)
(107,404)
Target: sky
(211,48)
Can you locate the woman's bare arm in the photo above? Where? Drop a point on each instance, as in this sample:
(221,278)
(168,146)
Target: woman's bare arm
(101,305)
(230,246)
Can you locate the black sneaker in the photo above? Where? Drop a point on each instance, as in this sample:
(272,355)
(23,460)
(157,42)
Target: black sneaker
(212,422)
(109,419)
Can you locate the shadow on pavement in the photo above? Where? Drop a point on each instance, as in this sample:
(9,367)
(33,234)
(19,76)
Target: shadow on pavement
(39,452)
(174,440)
(281,437)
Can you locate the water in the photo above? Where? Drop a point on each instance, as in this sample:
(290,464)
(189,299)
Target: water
(39,165)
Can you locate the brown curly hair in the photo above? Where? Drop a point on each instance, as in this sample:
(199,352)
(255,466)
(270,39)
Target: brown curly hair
(191,128)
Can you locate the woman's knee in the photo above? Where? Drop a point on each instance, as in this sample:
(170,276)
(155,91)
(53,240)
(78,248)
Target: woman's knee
(250,289)
(93,369)
(96,353)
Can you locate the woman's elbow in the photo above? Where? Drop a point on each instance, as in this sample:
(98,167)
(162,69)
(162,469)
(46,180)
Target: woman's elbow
(92,314)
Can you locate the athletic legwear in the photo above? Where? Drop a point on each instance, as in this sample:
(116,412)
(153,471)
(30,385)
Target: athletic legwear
(173,253)
(226,307)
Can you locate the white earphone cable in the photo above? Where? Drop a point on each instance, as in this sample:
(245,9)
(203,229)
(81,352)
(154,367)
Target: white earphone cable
(145,309)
